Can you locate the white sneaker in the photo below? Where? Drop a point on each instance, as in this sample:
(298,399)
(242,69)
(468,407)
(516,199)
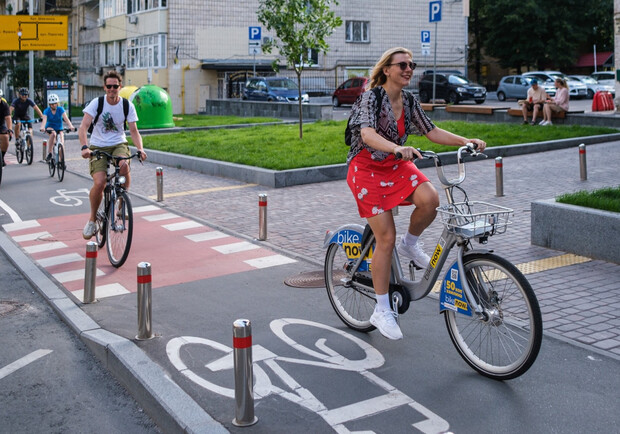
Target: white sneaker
(549,123)
(385,321)
(415,253)
(89,230)
(543,122)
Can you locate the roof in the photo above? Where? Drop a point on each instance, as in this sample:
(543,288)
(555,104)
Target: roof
(602,58)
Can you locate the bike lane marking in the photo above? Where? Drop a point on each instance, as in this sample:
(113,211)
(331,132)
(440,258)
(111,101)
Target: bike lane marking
(24,361)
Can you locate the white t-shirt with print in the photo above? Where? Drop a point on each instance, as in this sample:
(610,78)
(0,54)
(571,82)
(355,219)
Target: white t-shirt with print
(109,129)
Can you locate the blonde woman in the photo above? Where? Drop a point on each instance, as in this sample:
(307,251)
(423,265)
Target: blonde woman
(379,182)
(557,104)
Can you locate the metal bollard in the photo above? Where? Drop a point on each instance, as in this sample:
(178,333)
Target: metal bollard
(90,272)
(44,150)
(499,177)
(244,378)
(583,166)
(262,217)
(145,330)
(159,172)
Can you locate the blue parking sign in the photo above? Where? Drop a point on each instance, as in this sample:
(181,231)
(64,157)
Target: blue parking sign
(425,36)
(254,33)
(434,11)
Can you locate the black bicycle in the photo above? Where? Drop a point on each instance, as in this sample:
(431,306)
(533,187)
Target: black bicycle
(114,219)
(23,143)
(57,162)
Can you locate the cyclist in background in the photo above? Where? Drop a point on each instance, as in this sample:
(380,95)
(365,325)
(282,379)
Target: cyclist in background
(5,126)
(53,116)
(109,136)
(19,110)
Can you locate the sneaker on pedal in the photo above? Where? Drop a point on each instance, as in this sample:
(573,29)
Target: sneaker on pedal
(89,230)
(48,158)
(415,253)
(385,322)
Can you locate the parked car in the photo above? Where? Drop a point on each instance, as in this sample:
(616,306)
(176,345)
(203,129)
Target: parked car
(593,85)
(280,89)
(348,91)
(576,89)
(451,87)
(605,77)
(516,86)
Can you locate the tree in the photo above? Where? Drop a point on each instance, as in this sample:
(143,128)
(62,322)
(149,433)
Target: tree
(299,26)
(44,68)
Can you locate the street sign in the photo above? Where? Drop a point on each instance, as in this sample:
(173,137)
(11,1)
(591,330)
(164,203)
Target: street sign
(426,51)
(426,46)
(434,11)
(33,32)
(425,37)
(254,33)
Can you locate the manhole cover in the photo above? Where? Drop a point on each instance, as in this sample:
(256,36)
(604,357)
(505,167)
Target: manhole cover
(311,279)
(6,307)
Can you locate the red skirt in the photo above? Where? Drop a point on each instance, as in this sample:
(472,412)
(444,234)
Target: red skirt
(379,186)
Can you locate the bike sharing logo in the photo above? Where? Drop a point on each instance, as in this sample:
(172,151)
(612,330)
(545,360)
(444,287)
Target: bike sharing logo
(452,296)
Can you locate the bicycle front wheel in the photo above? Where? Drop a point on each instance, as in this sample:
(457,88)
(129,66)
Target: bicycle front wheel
(61,163)
(352,303)
(29,150)
(504,343)
(19,152)
(120,229)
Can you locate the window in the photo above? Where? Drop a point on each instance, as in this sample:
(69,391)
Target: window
(146,52)
(112,8)
(357,31)
(134,6)
(510,80)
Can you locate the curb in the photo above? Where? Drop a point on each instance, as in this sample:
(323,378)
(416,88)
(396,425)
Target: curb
(172,409)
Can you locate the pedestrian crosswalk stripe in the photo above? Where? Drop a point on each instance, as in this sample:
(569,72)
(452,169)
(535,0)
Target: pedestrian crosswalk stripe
(103,291)
(182,225)
(206,236)
(33,236)
(61,259)
(73,275)
(46,247)
(158,217)
(236,247)
(269,261)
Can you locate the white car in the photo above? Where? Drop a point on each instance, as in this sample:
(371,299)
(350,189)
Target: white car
(605,77)
(593,85)
(576,89)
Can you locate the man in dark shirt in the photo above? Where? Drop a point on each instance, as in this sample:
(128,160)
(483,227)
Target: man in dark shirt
(5,126)
(19,109)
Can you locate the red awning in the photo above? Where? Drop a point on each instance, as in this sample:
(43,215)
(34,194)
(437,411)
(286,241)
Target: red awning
(587,60)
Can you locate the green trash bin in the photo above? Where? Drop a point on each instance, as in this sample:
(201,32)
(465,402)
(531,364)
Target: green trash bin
(153,106)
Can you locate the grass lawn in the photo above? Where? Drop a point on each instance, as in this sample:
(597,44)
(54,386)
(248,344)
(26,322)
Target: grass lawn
(203,121)
(606,199)
(278,147)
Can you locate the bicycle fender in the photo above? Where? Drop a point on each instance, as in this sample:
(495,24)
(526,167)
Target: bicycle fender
(452,297)
(349,237)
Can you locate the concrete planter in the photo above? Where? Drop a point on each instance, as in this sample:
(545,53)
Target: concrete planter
(575,229)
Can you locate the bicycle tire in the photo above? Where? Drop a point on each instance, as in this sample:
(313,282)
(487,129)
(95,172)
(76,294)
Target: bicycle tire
(119,229)
(1,167)
(60,166)
(353,305)
(51,165)
(101,222)
(29,149)
(505,345)
(19,152)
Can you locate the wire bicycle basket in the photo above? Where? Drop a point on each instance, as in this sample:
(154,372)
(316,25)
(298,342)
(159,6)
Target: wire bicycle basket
(475,219)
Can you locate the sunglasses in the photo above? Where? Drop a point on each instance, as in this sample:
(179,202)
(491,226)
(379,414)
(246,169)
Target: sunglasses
(110,86)
(403,65)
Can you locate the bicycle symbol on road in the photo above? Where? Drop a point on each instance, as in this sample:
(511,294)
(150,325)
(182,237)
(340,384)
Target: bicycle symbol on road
(220,368)
(70,197)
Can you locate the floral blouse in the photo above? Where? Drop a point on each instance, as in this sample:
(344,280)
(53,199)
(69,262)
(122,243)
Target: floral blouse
(363,114)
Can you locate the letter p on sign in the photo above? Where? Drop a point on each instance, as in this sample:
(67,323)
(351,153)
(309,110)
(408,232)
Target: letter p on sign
(434,11)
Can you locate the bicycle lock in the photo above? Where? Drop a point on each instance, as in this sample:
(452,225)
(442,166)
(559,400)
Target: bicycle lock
(583,166)
(90,272)
(244,378)
(159,175)
(262,217)
(499,176)
(145,330)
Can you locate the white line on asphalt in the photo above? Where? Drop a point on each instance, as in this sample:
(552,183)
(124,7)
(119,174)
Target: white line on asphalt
(14,216)
(158,217)
(19,225)
(145,208)
(235,247)
(73,275)
(269,261)
(61,259)
(18,364)
(45,247)
(33,236)
(103,291)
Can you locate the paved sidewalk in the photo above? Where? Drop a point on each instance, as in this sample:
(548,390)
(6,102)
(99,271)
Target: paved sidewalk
(574,293)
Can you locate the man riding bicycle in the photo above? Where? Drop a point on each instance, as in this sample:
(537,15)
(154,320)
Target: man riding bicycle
(19,110)
(5,127)
(108,135)
(53,116)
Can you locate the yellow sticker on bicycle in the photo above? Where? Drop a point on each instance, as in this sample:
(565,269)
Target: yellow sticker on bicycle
(436,255)
(353,250)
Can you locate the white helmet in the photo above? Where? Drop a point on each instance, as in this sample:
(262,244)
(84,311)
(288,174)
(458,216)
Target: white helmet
(52,98)
(1,93)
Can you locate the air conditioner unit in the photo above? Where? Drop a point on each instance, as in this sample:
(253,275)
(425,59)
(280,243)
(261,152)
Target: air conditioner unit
(133,19)
(267,39)
(99,70)
(100,22)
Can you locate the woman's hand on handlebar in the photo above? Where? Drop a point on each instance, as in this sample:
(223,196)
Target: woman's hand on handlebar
(406,153)
(479,145)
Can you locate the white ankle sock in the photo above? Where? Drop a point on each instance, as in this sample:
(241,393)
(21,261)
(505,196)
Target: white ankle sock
(410,239)
(383,302)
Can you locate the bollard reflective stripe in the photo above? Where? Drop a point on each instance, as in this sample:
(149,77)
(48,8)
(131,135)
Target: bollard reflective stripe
(262,217)
(244,378)
(145,330)
(90,272)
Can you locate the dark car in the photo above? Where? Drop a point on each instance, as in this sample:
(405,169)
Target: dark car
(450,87)
(280,89)
(348,91)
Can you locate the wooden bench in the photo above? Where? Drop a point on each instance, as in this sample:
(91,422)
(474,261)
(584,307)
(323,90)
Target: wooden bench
(428,107)
(557,115)
(475,109)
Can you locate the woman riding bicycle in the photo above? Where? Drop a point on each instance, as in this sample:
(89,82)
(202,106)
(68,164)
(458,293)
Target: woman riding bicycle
(53,116)
(380,182)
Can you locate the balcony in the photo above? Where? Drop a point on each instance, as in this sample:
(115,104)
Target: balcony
(58,7)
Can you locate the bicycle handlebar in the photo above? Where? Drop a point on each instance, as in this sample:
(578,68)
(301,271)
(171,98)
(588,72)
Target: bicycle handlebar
(68,130)
(97,153)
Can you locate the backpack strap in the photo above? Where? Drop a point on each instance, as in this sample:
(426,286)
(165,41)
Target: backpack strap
(125,111)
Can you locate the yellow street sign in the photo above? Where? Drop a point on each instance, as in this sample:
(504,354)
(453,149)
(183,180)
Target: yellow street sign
(33,32)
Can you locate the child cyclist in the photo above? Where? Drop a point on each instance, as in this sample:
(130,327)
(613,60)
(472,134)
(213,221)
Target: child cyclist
(53,116)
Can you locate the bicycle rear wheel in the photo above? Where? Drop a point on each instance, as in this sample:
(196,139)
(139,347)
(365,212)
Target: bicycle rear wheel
(29,150)
(51,165)
(101,222)
(61,162)
(120,229)
(353,304)
(19,152)
(505,342)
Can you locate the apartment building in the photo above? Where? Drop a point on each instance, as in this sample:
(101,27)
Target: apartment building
(198,49)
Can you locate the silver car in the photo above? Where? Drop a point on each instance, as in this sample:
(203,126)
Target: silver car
(576,89)
(605,77)
(593,85)
(516,86)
